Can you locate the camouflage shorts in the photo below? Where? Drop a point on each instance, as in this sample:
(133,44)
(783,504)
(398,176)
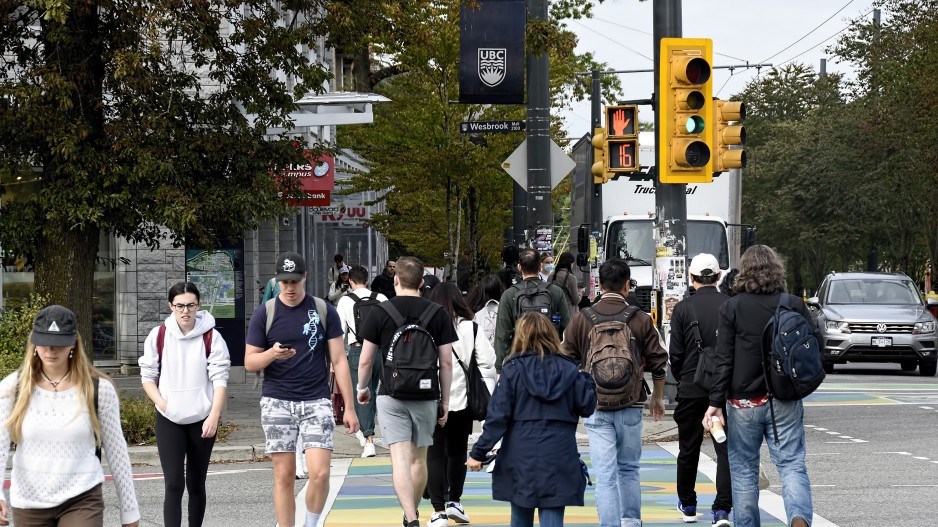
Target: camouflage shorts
(285,421)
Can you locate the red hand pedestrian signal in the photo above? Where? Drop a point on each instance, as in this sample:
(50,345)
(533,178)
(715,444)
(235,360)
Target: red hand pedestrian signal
(620,122)
(621,144)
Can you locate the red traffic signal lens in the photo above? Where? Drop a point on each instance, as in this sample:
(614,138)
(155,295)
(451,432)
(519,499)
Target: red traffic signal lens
(697,71)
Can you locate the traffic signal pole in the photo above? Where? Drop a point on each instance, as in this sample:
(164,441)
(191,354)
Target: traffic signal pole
(596,200)
(538,127)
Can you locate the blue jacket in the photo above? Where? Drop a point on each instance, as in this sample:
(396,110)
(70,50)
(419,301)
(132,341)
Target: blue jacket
(534,410)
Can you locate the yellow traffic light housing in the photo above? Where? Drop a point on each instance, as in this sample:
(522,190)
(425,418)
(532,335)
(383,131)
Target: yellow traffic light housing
(598,169)
(685,109)
(726,135)
(621,153)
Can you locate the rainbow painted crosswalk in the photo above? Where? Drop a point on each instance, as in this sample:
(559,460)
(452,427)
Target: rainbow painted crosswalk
(367,499)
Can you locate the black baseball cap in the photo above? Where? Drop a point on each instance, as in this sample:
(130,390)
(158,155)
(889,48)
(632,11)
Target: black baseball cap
(290,266)
(55,326)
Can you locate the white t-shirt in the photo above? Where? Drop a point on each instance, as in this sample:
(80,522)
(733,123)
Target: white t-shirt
(346,309)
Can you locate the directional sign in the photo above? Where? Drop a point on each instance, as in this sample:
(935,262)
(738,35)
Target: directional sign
(491,127)
(517,165)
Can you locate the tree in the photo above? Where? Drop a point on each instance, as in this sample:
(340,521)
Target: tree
(133,113)
(448,193)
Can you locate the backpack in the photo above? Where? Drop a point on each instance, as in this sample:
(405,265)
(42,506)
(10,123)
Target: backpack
(362,307)
(791,354)
(410,369)
(535,299)
(614,359)
(703,374)
(161,340)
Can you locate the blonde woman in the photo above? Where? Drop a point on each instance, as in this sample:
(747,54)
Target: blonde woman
(48,409)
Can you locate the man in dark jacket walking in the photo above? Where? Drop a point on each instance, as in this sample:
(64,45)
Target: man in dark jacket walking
(615,433)
(529,265)
(384,282)
(702,310)
(739,385)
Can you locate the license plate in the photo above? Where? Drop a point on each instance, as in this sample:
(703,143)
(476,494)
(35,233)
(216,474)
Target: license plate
(882,342)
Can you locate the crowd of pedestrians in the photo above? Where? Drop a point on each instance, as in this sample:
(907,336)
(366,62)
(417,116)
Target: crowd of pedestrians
(546,358)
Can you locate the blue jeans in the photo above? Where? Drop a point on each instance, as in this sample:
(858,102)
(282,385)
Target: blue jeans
(546,516)
(616,452)
(745,429)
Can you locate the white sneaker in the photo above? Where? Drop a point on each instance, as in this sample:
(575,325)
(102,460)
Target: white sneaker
(438,520)
(456,513)
(369,450)
(361,438)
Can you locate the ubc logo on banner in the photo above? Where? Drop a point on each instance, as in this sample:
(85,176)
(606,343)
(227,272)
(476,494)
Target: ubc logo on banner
(492,65)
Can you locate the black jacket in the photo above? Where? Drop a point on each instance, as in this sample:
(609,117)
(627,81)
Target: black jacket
(384,284)
(682,349)
(738,370)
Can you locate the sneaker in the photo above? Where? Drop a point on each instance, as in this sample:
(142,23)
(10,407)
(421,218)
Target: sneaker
(721,519)
(799,522)
(369,450)
(411,523)
(361,438)
(689,512)
(455,511)
(438,519)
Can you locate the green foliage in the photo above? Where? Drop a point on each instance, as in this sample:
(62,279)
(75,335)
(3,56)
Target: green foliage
(838,169)
(138,419)
(15,325)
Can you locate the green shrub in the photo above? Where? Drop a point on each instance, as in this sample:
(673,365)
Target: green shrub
(138,419)
(15,325)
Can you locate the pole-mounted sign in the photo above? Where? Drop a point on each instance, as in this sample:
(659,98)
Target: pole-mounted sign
(491,52)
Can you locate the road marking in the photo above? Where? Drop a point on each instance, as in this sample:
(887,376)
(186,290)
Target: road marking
(338,470)
(145,476)
(926,407)
(900,453)
(920,457)
(846,437)
(768,501)
(915,485)
(834,433)
(824,454)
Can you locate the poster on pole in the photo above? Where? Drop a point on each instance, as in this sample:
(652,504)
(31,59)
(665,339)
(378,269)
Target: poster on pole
(491,52)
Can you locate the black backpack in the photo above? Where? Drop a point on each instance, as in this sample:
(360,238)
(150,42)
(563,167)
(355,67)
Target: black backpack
(411,364)
(535,299)
(361,309)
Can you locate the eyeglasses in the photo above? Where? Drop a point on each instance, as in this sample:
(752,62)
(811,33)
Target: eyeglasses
(185,307)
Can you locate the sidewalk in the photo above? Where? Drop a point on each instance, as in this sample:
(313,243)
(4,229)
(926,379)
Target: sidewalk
(246,442)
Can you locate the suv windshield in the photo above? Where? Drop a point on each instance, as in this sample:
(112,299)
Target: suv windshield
(873,291)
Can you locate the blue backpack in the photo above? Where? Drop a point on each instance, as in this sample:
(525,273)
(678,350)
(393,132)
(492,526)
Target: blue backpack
(791,354)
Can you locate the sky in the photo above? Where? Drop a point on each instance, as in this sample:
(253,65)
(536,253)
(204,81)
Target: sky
(757,31)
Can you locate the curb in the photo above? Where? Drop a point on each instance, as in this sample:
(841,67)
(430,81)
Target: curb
(148,455)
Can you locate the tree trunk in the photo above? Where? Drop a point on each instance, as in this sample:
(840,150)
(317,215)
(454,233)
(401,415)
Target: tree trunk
(65,261)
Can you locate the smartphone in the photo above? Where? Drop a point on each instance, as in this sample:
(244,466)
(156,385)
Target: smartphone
(287,346)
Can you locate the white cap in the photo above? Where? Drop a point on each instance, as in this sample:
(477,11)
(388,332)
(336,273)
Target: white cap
(704,265)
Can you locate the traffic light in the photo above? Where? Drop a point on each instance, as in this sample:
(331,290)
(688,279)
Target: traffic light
(685,110)
(598,169)
(726,135)
(621,153)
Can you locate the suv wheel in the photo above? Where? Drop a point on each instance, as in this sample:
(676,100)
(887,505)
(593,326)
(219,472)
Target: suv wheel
(828,367)
(927,369)
(909,365)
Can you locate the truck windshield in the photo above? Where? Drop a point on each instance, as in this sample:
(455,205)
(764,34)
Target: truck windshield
(632,241)
(707,237)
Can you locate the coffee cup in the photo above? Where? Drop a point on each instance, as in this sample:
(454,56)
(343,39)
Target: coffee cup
(716,430)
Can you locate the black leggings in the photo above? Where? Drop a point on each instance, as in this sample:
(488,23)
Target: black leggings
(181,445)
(446,459)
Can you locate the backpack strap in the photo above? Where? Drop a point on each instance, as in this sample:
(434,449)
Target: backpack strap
(429,313)
(392,312)
(374,296)
(207,342)
(695,326)
(160,341)
(97,382)
(355,298)
(596,318)
(271,307)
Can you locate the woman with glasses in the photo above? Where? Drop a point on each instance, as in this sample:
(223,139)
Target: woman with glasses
(184,369)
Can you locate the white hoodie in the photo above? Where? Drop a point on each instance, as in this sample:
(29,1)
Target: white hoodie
(188,379)
(485,357)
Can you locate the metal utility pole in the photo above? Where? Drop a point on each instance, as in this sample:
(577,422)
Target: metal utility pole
(538,126)
(670,199)
(519,214)
(595,213)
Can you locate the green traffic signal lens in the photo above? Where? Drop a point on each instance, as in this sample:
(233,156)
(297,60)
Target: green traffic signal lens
(695,124)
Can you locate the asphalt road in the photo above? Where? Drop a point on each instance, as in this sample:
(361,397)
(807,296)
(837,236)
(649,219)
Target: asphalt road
(872,434)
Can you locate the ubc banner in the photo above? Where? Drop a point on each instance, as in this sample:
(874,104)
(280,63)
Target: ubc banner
(491,52)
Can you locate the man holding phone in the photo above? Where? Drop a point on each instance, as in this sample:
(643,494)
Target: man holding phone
(294,349)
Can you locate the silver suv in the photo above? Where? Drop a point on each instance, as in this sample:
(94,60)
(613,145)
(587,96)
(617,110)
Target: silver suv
(875,317)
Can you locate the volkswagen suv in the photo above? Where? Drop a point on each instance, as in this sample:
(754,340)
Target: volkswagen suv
(875,317)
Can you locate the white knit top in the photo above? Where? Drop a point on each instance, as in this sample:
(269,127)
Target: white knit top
(56,459)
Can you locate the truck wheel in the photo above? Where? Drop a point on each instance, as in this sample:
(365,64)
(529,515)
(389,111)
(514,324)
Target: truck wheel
(909,365)
(828,367)
(927,369)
